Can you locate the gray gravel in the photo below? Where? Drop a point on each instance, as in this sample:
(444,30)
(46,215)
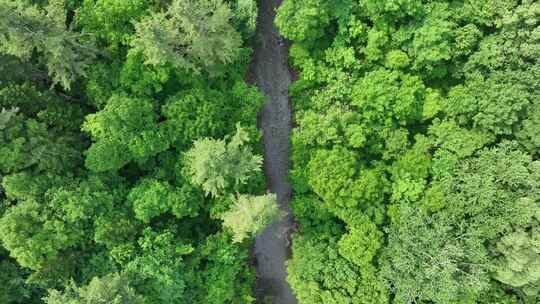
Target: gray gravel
(270,72)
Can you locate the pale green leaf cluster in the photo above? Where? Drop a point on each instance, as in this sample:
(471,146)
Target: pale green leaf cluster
(519,265)
(217,165)
(6,115)
(111,289)
(193,35)
(249,215)
(28,28)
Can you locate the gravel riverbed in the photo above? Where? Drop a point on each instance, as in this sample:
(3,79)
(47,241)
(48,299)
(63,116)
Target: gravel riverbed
(270,72)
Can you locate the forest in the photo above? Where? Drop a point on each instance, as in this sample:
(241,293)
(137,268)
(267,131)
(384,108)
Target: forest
(415,155)
(129,153)
(131,161)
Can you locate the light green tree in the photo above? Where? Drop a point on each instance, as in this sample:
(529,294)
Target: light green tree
(249,215)
(361,244)
(111,289)
(111,20)
(6,115)
(194,35)
(216,165)
(519,265)
(28,28)
(444,256)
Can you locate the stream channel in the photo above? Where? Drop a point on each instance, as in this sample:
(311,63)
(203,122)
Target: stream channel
(270,72)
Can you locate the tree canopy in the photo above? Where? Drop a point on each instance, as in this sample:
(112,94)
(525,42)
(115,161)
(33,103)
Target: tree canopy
(414,156)
(130,155)
(100,103)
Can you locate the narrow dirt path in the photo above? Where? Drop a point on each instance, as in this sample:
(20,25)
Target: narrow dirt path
(271,74)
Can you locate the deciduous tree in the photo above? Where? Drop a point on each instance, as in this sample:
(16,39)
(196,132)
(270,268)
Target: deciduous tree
(249,215)
(217,165)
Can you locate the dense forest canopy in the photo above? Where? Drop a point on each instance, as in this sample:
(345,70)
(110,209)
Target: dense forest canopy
(128,147)
(130,159)
(415,157)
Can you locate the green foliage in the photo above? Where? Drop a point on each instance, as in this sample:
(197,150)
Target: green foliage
(415,147)
(113,289)
(392,9)
(125,130)
(423,262)
(157,269)
(414,161)
(204,112)
(195,114)
(319,274)
(528,135)
(493,104)
(303,20)
(6,115)
(111,20)
(38,135)
(312,216)
(360,245)
(193,35)
(444,257)
(249,215)
(14,288)
(141,79)
(331,173)
(397,59)
(245,13)
(152,198)
(217,165)
(337,125)
(38,234)
(28,185)
(431,46)
(506,179)
(519,265)
(25,28)
(29,143)
(389,97)
(226,275)
(462,142)
(93,175)
(409,172)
